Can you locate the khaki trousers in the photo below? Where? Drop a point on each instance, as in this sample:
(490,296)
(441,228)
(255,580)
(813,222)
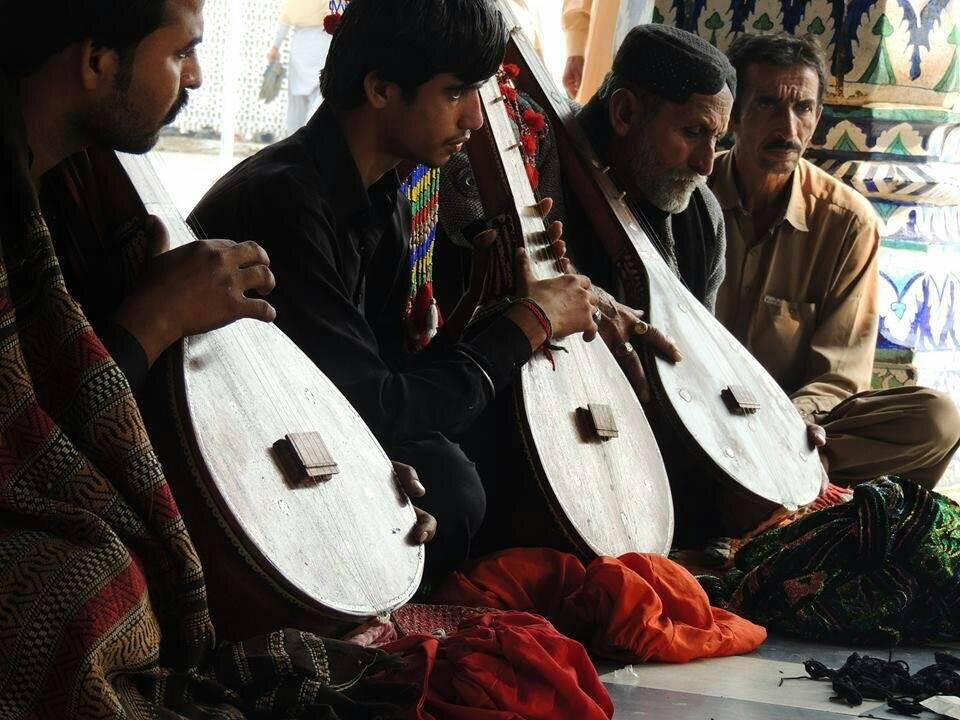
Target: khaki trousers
(910,431)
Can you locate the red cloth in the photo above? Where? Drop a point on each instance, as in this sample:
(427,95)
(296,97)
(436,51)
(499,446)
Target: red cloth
(632,609)
(500,666)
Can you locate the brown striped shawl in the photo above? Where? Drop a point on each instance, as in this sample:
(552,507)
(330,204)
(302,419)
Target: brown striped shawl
(103,610)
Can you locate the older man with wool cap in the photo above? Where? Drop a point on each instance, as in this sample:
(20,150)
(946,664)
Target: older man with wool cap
(656,120)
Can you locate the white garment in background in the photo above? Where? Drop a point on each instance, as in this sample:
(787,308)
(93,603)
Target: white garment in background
(308,53)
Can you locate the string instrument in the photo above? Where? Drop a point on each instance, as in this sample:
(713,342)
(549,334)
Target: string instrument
(733,422)
(290,500)
(594,455)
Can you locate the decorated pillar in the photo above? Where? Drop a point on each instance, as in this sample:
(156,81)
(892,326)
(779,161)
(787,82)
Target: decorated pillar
(891,130)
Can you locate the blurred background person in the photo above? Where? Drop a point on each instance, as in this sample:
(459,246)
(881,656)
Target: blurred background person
(308,52)
(594,29)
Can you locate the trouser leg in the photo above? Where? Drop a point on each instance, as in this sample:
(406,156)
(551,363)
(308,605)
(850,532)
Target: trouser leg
(910,431)
(296,112)
(455,497)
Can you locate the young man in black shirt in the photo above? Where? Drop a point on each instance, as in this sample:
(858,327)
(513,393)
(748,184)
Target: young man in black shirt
(400,85)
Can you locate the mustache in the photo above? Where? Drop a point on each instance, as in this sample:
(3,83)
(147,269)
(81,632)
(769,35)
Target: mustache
(179,105)
(783,145)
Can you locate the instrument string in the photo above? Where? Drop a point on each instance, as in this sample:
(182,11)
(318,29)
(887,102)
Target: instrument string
(531,127)
(658,243)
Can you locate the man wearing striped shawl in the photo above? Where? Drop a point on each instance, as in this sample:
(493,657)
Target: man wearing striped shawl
(103,610)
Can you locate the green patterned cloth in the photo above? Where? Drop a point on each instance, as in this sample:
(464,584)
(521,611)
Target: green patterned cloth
(882,568)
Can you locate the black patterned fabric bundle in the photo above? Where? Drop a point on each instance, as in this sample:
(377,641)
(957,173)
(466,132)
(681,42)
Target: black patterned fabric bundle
(883,568)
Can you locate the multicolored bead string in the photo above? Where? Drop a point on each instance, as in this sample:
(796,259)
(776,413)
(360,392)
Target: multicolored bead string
(422,189)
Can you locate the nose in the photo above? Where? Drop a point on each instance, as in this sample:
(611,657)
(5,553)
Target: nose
(192,77)
(789,124)
(701,159)
(472,115)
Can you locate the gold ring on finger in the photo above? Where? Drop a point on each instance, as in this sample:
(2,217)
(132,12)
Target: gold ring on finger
(640,327)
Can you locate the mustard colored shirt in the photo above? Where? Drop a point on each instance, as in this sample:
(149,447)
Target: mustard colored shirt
(304,13)
(803,298)
(590,27)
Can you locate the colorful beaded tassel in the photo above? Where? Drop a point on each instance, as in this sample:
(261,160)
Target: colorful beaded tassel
(422,189)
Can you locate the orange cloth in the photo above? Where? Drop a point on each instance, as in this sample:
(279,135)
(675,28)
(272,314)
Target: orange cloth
(632,609)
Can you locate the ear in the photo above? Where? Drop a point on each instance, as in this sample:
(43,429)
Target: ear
(377,90)
(98,66)
(623,107)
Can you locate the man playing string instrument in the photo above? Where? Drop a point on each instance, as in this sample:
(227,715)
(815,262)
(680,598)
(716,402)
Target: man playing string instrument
(103,596)
(801,277)
(400,85)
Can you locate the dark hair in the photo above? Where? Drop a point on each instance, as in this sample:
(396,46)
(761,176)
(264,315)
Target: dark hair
(782,50)
(408,42)
(46,27)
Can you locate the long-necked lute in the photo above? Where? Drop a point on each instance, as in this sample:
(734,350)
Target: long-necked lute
(724,407)
(593,451)
(289,498)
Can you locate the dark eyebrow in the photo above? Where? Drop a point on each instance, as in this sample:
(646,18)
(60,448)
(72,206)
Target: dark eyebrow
(466,87)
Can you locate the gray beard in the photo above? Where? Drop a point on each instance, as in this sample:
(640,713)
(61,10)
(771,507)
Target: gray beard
(667,191)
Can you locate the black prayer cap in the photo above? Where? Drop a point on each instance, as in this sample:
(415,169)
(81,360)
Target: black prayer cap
(672,63)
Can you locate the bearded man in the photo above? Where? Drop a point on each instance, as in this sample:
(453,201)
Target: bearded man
(655,121)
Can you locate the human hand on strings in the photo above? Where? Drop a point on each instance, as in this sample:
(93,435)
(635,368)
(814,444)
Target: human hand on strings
(573,74)
(567,300)
(426,525)
(619,326)
(193,289)
(554,235)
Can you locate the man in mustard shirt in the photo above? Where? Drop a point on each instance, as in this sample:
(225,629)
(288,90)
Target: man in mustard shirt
(801,276)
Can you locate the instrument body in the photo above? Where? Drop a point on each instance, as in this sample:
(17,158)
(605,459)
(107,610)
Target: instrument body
(724,407)
(278,549)
(610,495)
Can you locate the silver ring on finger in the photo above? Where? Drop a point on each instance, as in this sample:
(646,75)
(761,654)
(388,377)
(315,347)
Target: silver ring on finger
(624,350)
(597,316)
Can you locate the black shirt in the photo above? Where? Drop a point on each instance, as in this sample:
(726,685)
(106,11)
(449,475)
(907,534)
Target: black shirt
(339,255)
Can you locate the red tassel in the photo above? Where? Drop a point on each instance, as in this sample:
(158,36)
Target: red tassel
(532,175)
(529,144)
(534,120)
(331,23)
(509,92)
(511,71)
